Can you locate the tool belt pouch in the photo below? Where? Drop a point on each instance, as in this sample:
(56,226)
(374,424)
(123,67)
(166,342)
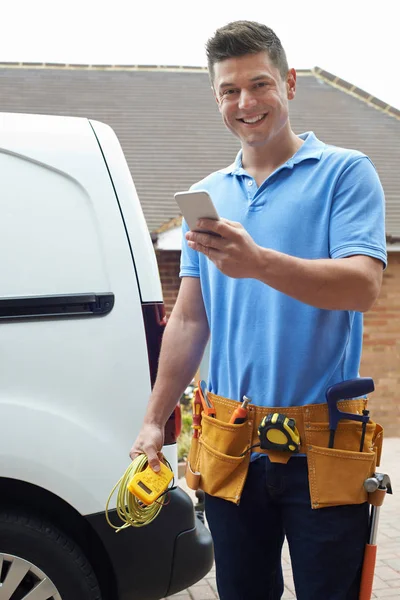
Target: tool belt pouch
(191,475)
(337,475)
(215,463)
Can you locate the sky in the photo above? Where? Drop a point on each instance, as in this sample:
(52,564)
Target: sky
(357,40)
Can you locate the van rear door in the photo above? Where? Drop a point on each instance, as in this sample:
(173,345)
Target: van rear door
(77,387)
(144,260)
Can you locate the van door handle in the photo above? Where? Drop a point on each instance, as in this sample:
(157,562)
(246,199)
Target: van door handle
(57,306)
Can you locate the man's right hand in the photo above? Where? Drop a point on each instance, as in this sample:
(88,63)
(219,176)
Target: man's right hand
(150,442)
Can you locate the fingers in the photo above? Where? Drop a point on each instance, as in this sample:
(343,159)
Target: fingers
(222,232)
(149,442)
(204,240)
(152,456)
(221,227)
(210,252)
(153,460)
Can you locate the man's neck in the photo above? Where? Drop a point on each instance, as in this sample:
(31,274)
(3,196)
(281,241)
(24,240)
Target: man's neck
(260,162)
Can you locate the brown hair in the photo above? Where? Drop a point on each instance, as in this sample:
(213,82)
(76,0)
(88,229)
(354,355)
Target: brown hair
(245,37)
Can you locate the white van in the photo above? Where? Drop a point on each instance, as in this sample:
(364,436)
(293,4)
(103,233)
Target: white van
(81,320)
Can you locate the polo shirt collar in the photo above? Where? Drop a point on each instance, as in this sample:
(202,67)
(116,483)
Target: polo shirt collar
(312,148)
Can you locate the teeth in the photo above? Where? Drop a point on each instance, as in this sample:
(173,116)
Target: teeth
(254,120)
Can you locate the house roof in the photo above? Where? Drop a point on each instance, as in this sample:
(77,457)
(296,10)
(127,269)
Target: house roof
(171,132)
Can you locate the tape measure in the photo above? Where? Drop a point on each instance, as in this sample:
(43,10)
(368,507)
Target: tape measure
(278,432)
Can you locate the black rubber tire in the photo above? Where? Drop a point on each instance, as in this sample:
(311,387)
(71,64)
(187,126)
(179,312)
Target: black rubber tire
(45,546)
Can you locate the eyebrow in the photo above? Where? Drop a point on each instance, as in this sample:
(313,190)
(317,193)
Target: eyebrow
(252,80)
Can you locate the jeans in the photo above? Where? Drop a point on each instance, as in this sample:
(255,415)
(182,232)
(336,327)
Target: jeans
(326,545)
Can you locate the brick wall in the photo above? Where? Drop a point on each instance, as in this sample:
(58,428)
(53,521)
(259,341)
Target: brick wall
(381,351)
(168,264)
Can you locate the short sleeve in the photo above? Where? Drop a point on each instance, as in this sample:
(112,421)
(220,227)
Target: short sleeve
(357,220)
(189,258)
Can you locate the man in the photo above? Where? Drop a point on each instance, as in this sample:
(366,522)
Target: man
(282,290)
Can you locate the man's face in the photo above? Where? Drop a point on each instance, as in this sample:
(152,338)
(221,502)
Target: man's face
(253,98)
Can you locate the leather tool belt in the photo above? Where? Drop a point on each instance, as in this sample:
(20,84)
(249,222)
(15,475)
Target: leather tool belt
(219,458)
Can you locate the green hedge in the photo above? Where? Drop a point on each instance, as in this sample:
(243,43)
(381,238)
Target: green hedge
(186,433)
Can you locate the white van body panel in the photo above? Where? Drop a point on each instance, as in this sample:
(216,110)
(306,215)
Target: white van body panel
(139,239)
(75,389)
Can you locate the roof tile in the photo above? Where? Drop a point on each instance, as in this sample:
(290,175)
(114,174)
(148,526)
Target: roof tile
(171,132)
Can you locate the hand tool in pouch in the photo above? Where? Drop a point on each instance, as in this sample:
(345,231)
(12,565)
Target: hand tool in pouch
(352,388)
(196,418)
(382,482)
(278,432)
(239,415)
(208,406)
(364,429)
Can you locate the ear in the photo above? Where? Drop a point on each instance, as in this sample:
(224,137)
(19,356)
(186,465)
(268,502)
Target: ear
(291,84)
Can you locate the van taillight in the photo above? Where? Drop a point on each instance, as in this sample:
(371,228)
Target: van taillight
(173,427)
(154,324)
(155,321)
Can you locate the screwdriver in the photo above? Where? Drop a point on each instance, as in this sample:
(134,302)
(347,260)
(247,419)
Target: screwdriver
(239,415)
(364,429)
(208,406)
(197,406)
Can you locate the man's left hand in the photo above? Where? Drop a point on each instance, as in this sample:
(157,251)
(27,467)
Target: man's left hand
(232,250)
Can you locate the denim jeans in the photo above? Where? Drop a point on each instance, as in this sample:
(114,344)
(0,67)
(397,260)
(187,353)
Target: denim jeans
(326,545)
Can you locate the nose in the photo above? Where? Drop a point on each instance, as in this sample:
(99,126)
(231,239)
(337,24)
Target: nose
(246,99)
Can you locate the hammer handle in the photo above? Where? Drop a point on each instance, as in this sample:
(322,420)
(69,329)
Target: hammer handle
(351,388)
(367,575)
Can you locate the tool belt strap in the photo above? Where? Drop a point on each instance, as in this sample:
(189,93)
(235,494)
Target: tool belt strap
(306,417)
(220,455)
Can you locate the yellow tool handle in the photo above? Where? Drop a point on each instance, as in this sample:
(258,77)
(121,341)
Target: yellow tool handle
(278,432)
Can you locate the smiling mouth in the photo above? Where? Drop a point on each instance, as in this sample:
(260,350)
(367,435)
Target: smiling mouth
(253,120)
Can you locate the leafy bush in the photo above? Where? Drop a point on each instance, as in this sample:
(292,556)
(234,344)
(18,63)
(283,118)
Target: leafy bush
(184,442)
(187,397)
(185,437)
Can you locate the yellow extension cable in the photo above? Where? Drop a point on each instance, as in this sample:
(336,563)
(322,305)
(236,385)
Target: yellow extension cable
(130,510)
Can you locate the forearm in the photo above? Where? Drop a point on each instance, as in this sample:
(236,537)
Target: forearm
(332,284)
(182,348)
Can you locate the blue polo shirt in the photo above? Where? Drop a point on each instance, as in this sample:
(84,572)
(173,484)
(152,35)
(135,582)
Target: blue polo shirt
(324,202)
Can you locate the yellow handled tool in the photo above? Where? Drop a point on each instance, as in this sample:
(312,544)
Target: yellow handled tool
(278,432)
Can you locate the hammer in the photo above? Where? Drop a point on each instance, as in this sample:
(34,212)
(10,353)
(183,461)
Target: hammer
(352,388)
(379,481)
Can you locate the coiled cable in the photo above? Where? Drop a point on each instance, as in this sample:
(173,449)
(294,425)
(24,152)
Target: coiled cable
(130,510)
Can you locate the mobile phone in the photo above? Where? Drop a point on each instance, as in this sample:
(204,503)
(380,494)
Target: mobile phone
(195,205)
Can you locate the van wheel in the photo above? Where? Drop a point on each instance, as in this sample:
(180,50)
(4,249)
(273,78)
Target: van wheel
(35,555)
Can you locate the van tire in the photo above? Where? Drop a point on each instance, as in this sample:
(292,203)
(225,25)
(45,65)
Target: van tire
(38,541)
